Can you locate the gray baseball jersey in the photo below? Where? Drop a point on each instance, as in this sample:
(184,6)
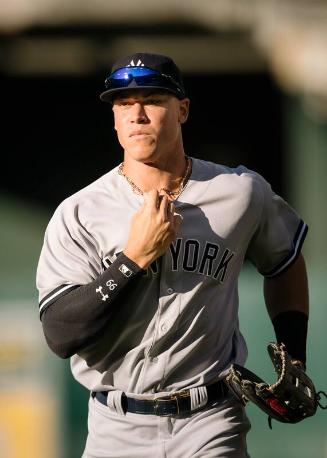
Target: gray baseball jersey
(178,328)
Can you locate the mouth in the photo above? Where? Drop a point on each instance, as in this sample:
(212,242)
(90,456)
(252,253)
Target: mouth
(139,134)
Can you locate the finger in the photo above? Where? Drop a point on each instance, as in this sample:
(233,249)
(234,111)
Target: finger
(172,207)
(171,211)
(151,199)
(177,221)
(164,207)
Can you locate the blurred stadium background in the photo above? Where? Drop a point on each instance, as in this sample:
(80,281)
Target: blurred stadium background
(256,72)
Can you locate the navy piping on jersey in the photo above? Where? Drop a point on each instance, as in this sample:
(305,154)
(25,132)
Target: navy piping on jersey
(55,295)
(292,256)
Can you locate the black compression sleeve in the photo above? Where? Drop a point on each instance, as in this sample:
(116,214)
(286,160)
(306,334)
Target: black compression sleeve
(291,329)
(72,321)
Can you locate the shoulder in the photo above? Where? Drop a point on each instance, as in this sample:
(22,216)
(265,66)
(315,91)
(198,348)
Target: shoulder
(91,196)
(251,179)
(240,179)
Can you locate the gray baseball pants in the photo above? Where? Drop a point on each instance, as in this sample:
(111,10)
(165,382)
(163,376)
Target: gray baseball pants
(215,432)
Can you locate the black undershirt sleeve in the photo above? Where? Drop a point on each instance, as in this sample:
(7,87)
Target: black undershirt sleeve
(291,328)
(73,320)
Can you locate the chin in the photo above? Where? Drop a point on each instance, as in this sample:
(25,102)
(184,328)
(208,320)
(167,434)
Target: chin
(143,155)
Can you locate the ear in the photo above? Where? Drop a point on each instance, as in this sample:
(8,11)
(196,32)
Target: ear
(113,113)
(184,106)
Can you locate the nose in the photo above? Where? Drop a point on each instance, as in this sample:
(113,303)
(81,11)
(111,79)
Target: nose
(139,115)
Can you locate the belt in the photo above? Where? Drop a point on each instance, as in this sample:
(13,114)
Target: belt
(174,404)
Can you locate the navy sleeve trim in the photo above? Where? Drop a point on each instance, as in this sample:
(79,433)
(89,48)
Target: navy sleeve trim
(298,240)
(55,295)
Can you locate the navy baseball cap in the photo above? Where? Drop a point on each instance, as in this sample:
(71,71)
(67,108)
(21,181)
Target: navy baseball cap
(144,71)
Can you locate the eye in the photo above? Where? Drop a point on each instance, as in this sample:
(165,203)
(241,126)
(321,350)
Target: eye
(123,102)
(153,101)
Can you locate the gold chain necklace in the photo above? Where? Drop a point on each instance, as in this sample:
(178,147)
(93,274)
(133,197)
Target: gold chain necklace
(173,194)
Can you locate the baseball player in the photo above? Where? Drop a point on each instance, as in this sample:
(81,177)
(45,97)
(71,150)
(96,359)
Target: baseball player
(138,279)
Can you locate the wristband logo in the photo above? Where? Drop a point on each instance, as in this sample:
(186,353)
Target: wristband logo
(125,270)
(111,285)
(104,296)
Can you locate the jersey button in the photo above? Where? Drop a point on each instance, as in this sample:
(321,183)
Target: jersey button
(154,359)
(170,290)
(163,327)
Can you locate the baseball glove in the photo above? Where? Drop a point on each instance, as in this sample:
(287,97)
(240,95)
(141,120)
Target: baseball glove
(291,399)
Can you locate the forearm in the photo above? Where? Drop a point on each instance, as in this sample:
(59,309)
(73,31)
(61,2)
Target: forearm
(75,319)
(287,302)
(288,291)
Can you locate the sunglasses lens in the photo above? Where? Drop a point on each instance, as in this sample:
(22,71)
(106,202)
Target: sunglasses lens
(141,76)
(124,76)
(128,73)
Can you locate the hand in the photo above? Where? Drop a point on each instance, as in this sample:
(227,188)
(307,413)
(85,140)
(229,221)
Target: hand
(153,227)
(299,364)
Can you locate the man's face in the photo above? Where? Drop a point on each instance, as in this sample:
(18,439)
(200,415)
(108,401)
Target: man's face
(148,123)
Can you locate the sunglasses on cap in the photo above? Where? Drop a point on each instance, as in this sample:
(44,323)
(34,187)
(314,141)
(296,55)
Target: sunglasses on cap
(142,77)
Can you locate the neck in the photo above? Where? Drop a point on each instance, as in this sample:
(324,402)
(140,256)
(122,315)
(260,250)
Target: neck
(164,173)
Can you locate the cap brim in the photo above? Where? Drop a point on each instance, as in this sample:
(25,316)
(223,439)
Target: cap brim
(107,96)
